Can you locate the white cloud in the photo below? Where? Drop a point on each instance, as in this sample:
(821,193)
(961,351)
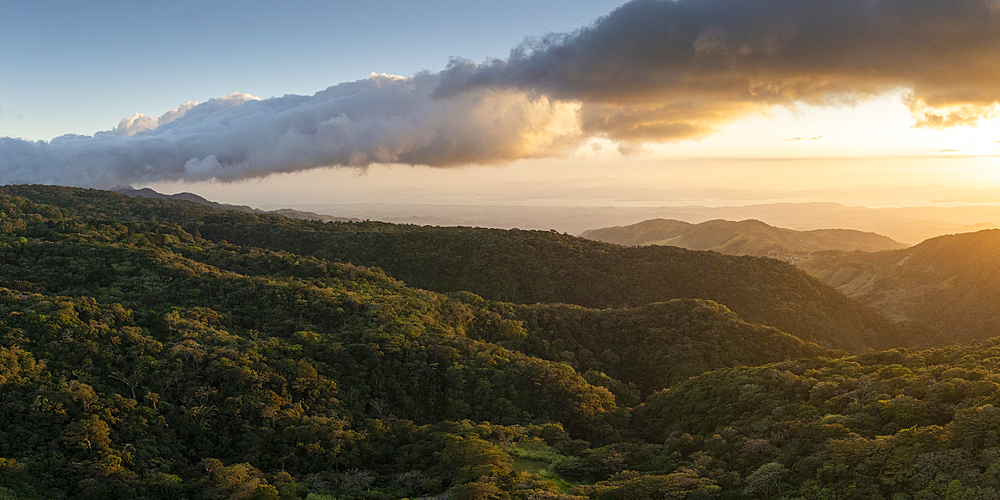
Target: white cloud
(382,119)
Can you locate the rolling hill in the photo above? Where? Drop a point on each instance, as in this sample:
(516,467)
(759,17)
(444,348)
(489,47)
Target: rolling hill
(287,212)
(653,346)
(951,283)
(142,359)
(537,266)
(747,237)
(147,351)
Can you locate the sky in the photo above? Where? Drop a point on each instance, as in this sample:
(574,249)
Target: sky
(567,103)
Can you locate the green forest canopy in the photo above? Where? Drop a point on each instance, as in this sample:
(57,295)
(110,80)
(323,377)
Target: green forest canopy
(161,349)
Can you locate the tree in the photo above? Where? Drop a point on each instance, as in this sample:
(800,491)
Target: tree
(92,432)
(765,478)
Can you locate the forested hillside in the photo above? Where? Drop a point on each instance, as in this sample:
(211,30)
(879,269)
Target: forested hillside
(164,349)
(746,237)
(287,212)
(138,359)
(951,283)
(650,347)
(534,266)
(893,424)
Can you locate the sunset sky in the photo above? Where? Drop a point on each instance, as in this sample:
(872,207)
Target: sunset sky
(567,103)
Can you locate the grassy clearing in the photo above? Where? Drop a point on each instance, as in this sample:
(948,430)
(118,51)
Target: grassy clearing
(536,457)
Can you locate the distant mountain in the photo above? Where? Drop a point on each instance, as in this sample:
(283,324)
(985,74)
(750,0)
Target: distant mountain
(747,237)
(909,225)
(287,212)
(951,282)
(150,193)
(299,214)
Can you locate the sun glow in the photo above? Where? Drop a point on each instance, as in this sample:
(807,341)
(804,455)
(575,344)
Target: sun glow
(875,128)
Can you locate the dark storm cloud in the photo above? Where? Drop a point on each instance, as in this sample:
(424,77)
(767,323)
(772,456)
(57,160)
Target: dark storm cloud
(661,70)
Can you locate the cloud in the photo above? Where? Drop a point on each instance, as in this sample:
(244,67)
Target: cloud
(667,70)
(650,71)
(382,119)
(140,123)
(796,139)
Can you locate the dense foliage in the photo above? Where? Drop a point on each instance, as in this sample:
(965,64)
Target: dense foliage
(162,349)
(651,347)
(135,353)
(894,424)
(533,266)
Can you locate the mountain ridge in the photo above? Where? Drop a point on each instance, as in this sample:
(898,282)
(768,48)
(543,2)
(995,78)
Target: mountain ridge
(745,237)
(537,266)
(948,282)
(186,196)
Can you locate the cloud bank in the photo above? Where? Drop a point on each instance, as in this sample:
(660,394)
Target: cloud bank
(650,71)
(662,70)
(382,119)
